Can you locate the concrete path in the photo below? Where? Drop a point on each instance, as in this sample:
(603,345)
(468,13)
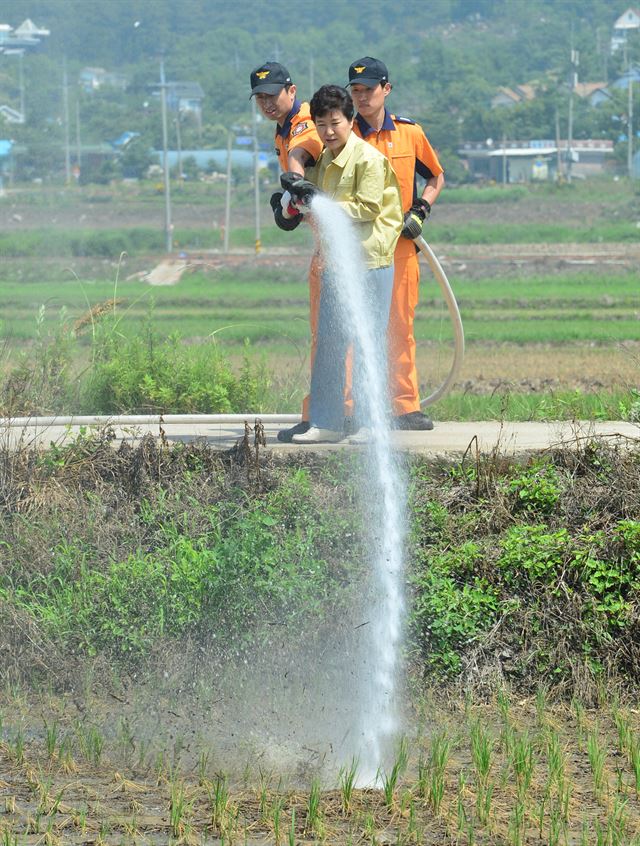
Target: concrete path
(447,439)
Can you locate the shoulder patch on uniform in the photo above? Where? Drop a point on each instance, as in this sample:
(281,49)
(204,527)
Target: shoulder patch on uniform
(403,119)
(299,128)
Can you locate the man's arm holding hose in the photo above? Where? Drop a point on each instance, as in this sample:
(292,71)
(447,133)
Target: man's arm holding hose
(419,212)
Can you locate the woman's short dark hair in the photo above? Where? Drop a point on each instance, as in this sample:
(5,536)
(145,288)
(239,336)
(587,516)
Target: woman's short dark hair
(330,98)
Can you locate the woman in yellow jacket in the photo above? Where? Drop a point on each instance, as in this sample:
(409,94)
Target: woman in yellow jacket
(362,182)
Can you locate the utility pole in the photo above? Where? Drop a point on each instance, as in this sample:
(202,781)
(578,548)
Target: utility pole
(21,83)
(630,121)
(227,199)
(558,152)
(312,83)
(65,102)
(78,145)
(573,80)
(504,158)
(256,173)
(179,143)
(168,227)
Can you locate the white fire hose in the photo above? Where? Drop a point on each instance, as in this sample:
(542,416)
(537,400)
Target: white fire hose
(456,321)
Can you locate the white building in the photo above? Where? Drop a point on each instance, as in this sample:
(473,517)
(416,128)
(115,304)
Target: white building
(626,23)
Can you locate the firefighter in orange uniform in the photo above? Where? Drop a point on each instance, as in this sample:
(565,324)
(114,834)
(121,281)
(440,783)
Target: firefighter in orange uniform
(297,146)
(405,144)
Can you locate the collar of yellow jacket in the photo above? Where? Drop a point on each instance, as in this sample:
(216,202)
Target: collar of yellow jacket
(344,154)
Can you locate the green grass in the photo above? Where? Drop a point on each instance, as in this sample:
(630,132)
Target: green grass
(274,308)
(213,193)
(531,233)
(560,405)
(110,243)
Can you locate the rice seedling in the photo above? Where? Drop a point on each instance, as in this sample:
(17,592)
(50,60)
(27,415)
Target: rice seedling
(517,823)
(634,751)
(597,757)
(555,756)
(219,801)
(313,807)
(292,829)
(65,756)
(461,813)
(203,764)
(131,827)
(504,706)
(55,805)
(541,706)
(160,767)
(143,748)
(431,774)
(617,823)
(9,804)
(624,731)
(276,818)
(402,757)
(369,829)
(481,751)
(522,762)
(413,833)
(125,741)
(484,801)
(578,710)
(91,743)
(18,747)
(43,791)
(79,819)
(347,778)
(9,838)
(263,794)
(51,738)
(177,809)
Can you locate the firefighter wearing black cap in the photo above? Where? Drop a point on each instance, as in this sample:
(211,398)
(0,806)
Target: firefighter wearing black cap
(405,144)
(297,146)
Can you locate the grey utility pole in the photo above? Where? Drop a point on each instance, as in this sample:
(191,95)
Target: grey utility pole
(227,199)
(256,173)
(573,80)
(630,122)
(168,226)
(65,102)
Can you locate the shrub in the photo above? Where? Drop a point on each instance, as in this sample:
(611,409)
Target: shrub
(451,606)
(149,373)
(537,488)
(534,554)
(251,565)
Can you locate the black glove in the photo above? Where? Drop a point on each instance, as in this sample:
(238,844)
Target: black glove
(302,191)
(414,219)
(286,223)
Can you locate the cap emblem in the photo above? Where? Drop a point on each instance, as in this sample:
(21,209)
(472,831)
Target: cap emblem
(359,70)
(262,74)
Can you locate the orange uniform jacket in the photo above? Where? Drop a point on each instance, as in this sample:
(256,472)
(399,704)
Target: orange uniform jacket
(298,130)
(403,142)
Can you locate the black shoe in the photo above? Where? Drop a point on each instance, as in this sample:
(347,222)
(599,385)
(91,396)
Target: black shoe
(285,436)
(415,421)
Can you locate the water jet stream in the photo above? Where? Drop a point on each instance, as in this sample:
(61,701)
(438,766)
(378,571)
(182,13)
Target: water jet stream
(385,493)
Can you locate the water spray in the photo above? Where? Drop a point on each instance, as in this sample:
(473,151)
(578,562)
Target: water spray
(384,500)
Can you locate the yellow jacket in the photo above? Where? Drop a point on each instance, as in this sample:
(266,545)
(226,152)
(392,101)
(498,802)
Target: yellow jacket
(361,180)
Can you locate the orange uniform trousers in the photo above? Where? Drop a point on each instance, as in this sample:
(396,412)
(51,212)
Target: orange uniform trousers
(403,375)
(401,343)
(315,273)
